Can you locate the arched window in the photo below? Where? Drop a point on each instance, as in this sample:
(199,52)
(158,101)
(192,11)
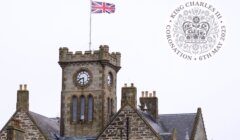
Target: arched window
(110,79)
(82,107)
(90,108)
(74,108)
(111,107)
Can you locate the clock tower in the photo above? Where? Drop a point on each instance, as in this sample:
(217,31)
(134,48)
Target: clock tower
(88,96)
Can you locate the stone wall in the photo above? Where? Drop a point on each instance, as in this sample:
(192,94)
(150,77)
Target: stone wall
(30,129)
(200,130)
(98,68)
(128,125)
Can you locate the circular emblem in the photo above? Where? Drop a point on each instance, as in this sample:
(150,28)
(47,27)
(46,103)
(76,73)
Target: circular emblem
(196,31)
(82,78)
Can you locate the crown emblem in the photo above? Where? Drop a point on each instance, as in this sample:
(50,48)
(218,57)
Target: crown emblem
(195,31)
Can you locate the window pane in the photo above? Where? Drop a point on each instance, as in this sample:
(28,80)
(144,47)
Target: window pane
(111,107)
(74,108)
(108,105)
(90,108)
(82,108)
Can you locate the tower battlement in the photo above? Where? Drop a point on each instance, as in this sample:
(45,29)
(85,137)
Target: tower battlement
(102,54)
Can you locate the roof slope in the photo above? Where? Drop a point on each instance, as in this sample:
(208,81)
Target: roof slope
(49,126)
(157,127)
(183,123)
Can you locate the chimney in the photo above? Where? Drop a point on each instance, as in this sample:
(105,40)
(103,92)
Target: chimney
(149,103)
(129,95)
(23,98)
(14,132)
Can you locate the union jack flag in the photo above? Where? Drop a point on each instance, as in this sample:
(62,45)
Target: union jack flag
(102,7)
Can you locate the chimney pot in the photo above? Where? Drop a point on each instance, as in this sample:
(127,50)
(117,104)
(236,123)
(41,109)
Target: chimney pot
(146,93)
(154,93)
(25,87)
(150,94)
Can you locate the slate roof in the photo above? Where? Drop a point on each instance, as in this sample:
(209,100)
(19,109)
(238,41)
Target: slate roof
(48,126)
(183,123)
(164,126)
(157,127)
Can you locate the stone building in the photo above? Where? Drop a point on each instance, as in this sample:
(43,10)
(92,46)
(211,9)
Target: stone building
(89,107)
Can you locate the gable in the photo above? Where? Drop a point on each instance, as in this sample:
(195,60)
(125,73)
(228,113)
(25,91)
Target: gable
(26,124)
(128,124)
(199,129)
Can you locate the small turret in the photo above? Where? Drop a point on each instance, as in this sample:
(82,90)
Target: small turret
(23,98)
(104,48)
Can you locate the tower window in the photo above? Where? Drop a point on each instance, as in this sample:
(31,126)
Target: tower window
(82,107)
(74,108)
(108,106)
(111,107)
(110,79)
(90,108)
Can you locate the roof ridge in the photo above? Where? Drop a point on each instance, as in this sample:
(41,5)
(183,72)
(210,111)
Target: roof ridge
(42,115)
(51,118)
(34,113)
(177,114)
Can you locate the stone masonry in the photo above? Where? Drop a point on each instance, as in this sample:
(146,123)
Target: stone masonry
(128,125)
(98,64)
(26,124)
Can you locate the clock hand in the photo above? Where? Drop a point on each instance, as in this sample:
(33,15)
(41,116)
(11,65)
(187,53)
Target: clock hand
(81,79)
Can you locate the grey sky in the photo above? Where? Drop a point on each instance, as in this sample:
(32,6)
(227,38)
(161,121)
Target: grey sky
(31,32)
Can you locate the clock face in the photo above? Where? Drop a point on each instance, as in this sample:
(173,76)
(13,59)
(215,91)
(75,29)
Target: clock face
(83,78)
(109,79)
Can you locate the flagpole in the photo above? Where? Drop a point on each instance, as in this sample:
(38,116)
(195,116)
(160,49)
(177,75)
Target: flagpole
(90,27)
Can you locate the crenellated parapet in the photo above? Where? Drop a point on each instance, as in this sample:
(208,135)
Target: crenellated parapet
(102,54)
